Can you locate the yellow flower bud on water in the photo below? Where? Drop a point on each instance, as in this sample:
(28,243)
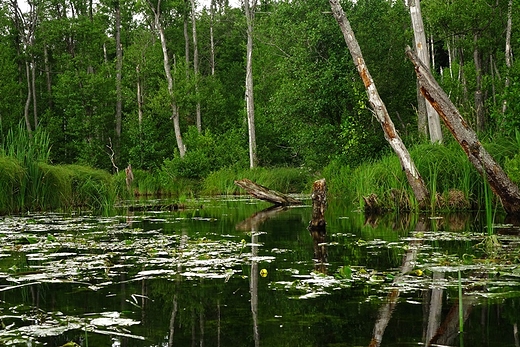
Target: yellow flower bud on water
(418,272)
(263,273)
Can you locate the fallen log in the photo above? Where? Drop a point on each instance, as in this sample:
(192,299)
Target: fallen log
(266,194)
(499,182)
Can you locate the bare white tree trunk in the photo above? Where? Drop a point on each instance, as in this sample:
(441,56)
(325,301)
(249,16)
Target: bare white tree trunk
(434,124)
(33,87)
(250,104)
(169,79)
(119,68)
(28,99)
(508,52)
(211,38)
(139,99)
(196,65)
(379,109)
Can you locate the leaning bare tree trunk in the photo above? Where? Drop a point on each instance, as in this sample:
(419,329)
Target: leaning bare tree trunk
(500,183)
(169,78)
(414,178)
(434,124)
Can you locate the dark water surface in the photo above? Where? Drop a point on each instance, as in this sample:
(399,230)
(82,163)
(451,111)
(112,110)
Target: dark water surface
(225,275)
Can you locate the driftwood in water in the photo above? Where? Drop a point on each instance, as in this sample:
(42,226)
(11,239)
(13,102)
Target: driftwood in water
(263,193)
(498,180)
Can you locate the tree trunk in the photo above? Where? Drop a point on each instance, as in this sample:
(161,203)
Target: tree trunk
(33,87)
(196,65)
(211,38)
(421,46)
(48,76)
(479,98)
(186,40)
(500,183)
(119,68)
(250,104)
(379,109)
(28,99)
(263,193)
(139,100)
(319,205)
(508,53)
(169,78)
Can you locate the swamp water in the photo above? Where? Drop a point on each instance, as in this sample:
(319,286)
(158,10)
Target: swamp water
(225,275)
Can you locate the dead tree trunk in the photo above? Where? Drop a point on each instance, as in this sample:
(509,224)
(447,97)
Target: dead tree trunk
(500,183)
(317,225)
(319,205)
(263,193)
(379,109)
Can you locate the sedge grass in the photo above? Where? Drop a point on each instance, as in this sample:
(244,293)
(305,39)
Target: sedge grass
(451,179)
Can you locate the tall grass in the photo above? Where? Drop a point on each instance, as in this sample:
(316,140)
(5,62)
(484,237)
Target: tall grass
(29,182)
(451,179)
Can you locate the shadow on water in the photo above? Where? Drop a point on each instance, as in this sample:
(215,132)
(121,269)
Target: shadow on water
(228,275)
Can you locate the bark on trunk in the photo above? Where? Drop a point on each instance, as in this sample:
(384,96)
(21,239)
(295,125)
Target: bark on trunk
(508,53)
(479,98)
(119,68)
(139,100)
(211,38)
(33,87)
(263,193)
(379,109)
(196,65)
(169,79)
(28,99)
(250,104)
(500,183)
(434,124)
(319,205)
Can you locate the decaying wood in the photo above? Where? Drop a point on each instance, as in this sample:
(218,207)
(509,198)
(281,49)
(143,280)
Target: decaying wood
(266,194)
(379,109)
(500,183)
(317,225)
(319,205)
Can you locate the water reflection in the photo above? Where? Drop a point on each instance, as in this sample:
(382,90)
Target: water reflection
(185,278)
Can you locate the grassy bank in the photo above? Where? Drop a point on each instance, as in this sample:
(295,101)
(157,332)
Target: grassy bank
(453,182)
(29,183)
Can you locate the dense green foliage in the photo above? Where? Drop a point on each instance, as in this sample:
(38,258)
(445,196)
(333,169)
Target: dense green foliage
(59,74)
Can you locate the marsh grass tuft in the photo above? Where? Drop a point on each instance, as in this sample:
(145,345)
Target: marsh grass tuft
(453,182)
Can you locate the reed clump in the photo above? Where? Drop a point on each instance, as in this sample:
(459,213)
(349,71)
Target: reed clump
(28,182)
(454,184)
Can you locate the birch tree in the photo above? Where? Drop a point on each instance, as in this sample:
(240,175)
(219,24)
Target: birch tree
(196,64)
(169,78)
(427,111)
(379,109)
(249,10)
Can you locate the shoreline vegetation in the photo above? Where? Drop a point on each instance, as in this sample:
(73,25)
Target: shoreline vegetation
(29,182)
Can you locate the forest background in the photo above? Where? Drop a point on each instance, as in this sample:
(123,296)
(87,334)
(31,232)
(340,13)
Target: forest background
(92,77)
